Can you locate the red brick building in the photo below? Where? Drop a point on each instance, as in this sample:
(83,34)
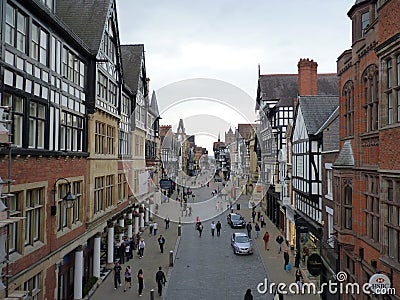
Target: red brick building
(366,178)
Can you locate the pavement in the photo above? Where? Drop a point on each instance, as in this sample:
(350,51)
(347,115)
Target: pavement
(150,262)
(272,260)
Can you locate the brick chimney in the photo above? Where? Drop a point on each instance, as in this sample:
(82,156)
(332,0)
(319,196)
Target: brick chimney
(307,77)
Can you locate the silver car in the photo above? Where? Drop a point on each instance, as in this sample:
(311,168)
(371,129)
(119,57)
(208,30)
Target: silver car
(241,243)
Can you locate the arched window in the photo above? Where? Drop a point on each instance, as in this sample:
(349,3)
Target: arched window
(348,94)
(370,79)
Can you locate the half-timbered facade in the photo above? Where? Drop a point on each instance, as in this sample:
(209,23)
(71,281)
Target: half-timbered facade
(275,100)
(64,83)
(307,140)
(44,68)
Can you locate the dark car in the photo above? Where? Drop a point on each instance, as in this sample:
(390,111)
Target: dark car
(236,220)
(241,243)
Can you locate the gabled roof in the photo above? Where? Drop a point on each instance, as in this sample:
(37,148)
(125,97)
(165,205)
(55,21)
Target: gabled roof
(284,87)
(217,145)
(346,157)
(328,122)
(153,107)
(316,110)
(245,130)
(132,56)
(278,86)
(87,18)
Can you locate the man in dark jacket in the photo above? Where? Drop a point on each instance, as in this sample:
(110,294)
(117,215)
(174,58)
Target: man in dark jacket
(249,228)
(279,240)
(161,242)
(160,279)
(218,227)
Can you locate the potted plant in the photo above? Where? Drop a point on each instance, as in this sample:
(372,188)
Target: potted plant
(118,229)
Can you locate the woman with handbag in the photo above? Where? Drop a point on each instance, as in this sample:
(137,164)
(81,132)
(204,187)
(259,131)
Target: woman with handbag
(128,277)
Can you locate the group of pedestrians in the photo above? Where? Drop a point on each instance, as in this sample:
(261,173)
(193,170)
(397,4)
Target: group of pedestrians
(124,252)
(214,227)
(117,270)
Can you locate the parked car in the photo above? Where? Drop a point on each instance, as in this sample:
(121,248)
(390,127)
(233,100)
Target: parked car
(236,220)
(241,243)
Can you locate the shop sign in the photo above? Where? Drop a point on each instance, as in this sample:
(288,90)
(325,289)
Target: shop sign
(314,264)
(165,184)
(379,282)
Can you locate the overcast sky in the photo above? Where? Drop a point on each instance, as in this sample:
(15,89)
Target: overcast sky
(223,41)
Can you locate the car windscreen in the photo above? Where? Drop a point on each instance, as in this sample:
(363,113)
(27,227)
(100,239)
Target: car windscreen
(235,217)
(242,239)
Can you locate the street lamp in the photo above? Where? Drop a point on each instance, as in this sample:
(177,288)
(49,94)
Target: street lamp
(69,198)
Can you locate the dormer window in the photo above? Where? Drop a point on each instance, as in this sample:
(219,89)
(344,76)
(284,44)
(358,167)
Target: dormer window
(364,22)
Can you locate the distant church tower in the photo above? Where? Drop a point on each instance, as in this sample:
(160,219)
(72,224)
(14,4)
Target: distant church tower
(180,131)
(229,137)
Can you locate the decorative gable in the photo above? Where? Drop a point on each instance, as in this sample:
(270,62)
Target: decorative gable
(300,129)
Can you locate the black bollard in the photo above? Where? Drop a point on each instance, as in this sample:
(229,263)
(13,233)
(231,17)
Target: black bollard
(171,258)
(152,294)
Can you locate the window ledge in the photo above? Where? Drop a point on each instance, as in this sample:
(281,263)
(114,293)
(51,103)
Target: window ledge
(32,248)
(371,242)
(389,261)
(66,230)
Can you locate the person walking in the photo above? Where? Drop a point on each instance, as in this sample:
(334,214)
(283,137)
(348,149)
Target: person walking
(266,240)
(160,279)
(200,228)
(190,210)
(131,247)
(297,257)
(128,277)
(117,274)
(151,226)
(257,230)
(155,227)
(218,227)
(212,228)
(142,245)
(127,249)
(279,240)
(249,229)
(286,260)
(299,279)
(262,221)
(253,215)
(161,242)
(166,223)
(248,295)
(140,281)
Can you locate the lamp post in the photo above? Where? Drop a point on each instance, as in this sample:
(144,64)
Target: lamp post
(69,198)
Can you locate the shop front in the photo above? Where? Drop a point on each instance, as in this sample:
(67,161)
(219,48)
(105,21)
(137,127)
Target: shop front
(290,227)
(308,241)
(273,206)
